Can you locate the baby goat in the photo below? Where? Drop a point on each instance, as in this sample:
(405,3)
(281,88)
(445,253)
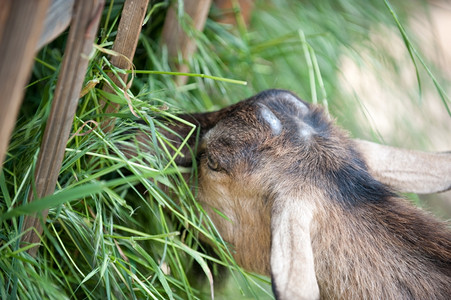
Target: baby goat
(303,203)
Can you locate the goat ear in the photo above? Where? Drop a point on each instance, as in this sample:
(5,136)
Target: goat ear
(408,170)
(292,263)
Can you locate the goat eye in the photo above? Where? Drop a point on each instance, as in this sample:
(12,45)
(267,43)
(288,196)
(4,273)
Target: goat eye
(213,164)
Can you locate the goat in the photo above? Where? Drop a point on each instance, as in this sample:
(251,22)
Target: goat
(316,210)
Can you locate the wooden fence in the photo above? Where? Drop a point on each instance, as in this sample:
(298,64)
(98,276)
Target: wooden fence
(25,27)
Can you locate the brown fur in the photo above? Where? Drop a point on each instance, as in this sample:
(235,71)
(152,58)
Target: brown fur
(366,241)
(391,252)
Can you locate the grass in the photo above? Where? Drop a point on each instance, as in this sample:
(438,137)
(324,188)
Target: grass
(122,228)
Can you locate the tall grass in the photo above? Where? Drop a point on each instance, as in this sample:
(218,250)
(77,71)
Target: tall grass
(129,228)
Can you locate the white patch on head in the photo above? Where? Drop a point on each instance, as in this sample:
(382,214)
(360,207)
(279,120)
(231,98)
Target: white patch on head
(298,103)
(305,131)
(271,119)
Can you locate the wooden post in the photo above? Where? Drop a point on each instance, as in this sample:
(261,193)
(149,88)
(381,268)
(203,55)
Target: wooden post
(21,23)
(228,14)
(128,32)
(177,41)
(85,20)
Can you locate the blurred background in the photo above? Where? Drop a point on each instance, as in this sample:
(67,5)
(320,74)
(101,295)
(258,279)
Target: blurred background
(382,68)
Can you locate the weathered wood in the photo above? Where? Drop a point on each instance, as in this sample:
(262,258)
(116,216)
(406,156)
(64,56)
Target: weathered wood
(57,19)
(227,9)
(20,27)
(125,44)
(176,39)
(5,7)
(86,17)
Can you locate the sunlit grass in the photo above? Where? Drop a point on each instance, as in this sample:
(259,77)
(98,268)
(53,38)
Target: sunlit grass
(123,227)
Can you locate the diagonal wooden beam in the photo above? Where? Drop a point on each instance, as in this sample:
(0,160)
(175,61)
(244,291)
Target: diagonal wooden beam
(85,20)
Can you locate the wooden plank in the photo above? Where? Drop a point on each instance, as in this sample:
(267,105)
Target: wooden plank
(5,7)
(57,19)
(175,38)
(228,9)
(20,27)
(125,44)
(86,17)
